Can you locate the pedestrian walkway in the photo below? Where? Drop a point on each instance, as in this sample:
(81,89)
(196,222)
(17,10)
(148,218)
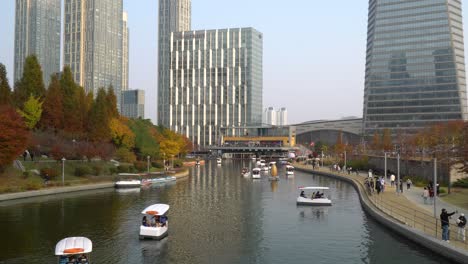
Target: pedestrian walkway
(406,208)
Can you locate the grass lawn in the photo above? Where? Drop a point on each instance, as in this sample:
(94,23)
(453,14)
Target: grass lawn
(458,197)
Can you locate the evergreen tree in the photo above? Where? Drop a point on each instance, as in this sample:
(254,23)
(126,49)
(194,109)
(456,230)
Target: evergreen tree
(99,118)
(112,102)
(5,90)
(31,83)
(52,115)
(72,120)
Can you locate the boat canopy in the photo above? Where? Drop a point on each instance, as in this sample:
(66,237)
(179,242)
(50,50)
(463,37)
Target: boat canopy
(289,167)
(156,209)
(256,169)
(313,188)
(272,162)
(73,246)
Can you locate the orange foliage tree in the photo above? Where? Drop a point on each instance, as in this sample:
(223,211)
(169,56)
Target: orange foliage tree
(14,135)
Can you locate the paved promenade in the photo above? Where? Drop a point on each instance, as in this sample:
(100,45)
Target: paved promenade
(407,208)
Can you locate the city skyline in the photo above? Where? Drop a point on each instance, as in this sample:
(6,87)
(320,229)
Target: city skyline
(298,73)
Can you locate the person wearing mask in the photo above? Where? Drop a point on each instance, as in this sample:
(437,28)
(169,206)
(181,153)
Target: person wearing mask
(461,223)
(444,222)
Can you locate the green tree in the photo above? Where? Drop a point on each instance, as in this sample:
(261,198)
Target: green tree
(72,123)
(112,103)
(146,143)
(31,83)
(99,119)
(5,90)
(52,115)
(31,111)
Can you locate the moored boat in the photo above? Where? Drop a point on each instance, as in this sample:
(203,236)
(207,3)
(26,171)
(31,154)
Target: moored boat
(289,170)
(256,173)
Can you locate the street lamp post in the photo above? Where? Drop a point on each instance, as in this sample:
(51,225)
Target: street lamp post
(344,161)
(172,156)
(434,186)
(63,171)
(398,174)
(322,158)
(148,163)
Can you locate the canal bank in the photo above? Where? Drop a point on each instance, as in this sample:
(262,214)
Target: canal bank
(79,188)
(400,224)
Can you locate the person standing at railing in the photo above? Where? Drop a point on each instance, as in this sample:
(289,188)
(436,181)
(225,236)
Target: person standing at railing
(425,195)
(444,222)
(461,222)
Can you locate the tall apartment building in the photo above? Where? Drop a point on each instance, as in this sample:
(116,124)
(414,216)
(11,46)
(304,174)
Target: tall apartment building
(274,117)
(215,81)
(133,103)
(125,49)
(93,43)
(37,31)
(415,69)
(174,16)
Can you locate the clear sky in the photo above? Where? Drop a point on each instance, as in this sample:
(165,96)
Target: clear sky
(313,51)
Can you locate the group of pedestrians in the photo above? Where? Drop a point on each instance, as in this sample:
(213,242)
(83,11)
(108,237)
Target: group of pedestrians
(445,225)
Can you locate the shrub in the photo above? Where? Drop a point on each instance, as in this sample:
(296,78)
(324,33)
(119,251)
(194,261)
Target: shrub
(125,155)
(178,163)
(51,172)
(34,184)
(82,171)
(125,169)
(97,170)
(157,164)
(113,170)
(461,183)
(26,174)
(140,166)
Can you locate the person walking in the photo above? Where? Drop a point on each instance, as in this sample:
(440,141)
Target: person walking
(392,180)
(444,222)
(401,186)
(461,223)
(408,183)
(425,195)
(370,173)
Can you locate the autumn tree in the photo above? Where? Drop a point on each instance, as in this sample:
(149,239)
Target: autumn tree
(122,136)
(98,119)
(387,140)
(339,145)
(376,143)
(461,152)
(13,137)
(31,111)
(52,114)
(31,83)
(5,90)
(84,104)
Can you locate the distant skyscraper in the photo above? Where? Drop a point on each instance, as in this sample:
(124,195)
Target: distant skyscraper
(125,49)
(133,104)
(215,81)
(37,31)
(282,119)
(275,117)
(415,70)
(93,43)
(174,15)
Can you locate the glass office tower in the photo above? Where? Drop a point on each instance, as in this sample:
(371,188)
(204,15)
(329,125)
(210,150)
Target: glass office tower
(215,82)
(415,70)
(37,31)
(174,15)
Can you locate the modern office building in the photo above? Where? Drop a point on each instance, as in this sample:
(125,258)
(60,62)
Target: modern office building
(174,16)
(415,70)
(125,48)
(215,81)
(37,31)
(93,43)
(133,103)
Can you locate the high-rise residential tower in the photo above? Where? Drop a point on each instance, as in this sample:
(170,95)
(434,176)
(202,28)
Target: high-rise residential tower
(37,31)
(93,43)
(415,70)
(215,82)
(125,49)
(174,16)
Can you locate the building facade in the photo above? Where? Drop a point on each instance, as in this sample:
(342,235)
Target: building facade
(215,81)
(125,49)
(274,117)
(37,31)
(133,103)
(93,43)
(415,70)
(174,16)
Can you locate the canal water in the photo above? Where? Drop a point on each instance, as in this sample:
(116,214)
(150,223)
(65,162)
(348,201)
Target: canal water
(216,216)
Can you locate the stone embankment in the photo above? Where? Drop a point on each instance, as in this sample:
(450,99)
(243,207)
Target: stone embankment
(401,216)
